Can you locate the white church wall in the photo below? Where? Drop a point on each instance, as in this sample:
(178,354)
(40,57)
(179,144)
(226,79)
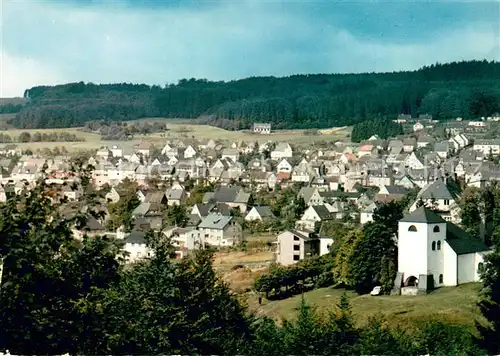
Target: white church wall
(466,268)
(450,267)
(435,258)
(412,249)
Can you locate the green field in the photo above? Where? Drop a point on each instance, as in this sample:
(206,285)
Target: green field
(177,130)
(451,304)
(298,137)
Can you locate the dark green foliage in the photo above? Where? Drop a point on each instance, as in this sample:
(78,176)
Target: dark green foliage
(389,214)
(382,127)
(51,283)
(175,215)
(10,108)
(374,259)
(121,211)
(299,101)
(458,340)
(286,281)
(377,339)
(174,308)
(489,303)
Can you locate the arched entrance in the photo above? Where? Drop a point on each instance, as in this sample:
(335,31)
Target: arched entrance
(411,281)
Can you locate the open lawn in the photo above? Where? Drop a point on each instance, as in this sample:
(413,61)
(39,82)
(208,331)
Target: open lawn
(451,304)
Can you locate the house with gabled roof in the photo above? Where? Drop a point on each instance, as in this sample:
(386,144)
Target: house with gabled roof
(409,144)
(284,166)
(425,141)
(442,149)
(314,215)
(144,148)
(282,150)
(442,195)
(220,230)
(259,213)
(366,214)
(231,153)
(413,161)
(233,196)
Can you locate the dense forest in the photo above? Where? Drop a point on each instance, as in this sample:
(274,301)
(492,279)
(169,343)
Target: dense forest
(467,89)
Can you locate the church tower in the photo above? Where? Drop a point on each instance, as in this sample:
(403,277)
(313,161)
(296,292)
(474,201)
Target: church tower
(421,241)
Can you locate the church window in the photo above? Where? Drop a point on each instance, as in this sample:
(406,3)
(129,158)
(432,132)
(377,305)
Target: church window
(439,245)
(412,228)
(436,228)
(440,279)
(446,202)
(433,245)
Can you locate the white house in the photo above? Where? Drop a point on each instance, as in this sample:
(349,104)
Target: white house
(418,127)
(220,230)
(184,240)
(459,141)
(413,162)
(232,153)
(259,213)
(313,215)
(487,146)
(293,246)
(366,214)
(135,245)
(284,166)
(477,123)
(166,148)
(433,252)
(282,150)
(189,152)
(116,151)
(443,196)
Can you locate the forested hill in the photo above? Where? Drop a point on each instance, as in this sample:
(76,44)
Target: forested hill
(467,89)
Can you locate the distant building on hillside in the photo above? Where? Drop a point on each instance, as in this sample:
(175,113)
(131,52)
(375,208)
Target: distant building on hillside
(264,129)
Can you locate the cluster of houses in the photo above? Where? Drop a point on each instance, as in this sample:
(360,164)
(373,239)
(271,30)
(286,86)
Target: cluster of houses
(337,181)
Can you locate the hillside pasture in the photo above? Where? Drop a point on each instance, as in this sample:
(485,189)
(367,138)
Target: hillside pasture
(449,304)
(299,137)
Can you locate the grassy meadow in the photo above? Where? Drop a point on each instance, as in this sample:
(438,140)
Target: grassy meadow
(178,129)
(449,304)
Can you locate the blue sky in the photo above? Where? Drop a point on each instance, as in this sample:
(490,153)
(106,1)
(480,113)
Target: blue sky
(159,42)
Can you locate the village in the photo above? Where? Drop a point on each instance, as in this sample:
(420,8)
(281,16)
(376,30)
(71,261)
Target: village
(224,194)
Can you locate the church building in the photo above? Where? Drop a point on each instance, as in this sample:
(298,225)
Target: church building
(433,252)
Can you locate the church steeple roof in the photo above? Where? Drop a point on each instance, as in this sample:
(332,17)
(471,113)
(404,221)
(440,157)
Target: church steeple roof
(423,215)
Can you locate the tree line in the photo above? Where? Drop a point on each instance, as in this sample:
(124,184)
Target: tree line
(117,130)
(40,137)
(467,89)
(10,108)
(285,281)
(381,127)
